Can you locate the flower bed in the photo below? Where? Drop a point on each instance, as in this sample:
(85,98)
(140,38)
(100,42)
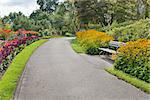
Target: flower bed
(4,34)
(10,35)
(92,40)
(134,59)
(11,48)
(8,82)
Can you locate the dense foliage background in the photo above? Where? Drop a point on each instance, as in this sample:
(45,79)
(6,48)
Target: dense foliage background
(70,16)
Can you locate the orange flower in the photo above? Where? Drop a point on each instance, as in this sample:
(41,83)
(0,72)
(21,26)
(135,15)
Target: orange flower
(26,32)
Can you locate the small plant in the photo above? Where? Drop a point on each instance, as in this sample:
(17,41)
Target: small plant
(93,50)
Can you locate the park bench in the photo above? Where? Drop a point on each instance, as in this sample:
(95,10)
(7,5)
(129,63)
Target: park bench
(112,49)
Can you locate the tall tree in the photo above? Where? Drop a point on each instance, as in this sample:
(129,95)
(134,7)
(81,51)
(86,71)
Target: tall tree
(124,10)
(93,11)
(47,5)
(64,18)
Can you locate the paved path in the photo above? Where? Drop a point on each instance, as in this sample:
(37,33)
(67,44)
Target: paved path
(56,72)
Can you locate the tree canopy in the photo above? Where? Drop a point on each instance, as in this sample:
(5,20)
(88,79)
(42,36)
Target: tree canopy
(71,16)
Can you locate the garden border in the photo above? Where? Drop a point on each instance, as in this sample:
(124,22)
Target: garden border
(144,86)
(9,81)
(76,47)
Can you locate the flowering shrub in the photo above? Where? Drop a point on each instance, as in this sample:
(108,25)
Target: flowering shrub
(11,48)
(11,43)
(5,33)
(92,40)
(10,35)
(134,59)
(22,31)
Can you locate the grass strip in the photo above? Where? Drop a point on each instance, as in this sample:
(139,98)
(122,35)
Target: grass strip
(52,36)
(8,83)
(144,86)
(77,48)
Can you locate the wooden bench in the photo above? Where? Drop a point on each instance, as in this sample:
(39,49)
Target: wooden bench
(112,49)
(107,50)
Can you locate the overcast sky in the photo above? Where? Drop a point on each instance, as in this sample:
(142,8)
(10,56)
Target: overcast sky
(25,6)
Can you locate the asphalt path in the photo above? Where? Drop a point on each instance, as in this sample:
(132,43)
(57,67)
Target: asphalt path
(56,72)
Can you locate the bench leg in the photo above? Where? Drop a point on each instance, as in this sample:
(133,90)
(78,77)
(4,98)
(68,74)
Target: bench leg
(101,53)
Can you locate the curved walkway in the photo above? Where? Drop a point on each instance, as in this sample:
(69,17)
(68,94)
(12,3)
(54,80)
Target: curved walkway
(56,72)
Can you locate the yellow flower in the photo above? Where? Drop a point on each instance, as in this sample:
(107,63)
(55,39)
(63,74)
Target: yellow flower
(93,37)
(135,49)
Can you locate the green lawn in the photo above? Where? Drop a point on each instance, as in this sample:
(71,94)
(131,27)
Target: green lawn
(77,48)
(144,86)
(9,80)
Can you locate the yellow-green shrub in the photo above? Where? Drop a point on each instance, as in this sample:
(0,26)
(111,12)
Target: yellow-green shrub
(132,31)
(134,59)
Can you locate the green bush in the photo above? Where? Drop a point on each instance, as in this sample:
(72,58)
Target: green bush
(134,31)
(77,47)
(45,32)
(92,50)
(115,25)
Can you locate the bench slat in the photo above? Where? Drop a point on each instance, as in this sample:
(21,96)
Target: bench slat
(116,44)
(108,50)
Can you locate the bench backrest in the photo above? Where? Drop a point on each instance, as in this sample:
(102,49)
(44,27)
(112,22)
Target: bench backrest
(115,44)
